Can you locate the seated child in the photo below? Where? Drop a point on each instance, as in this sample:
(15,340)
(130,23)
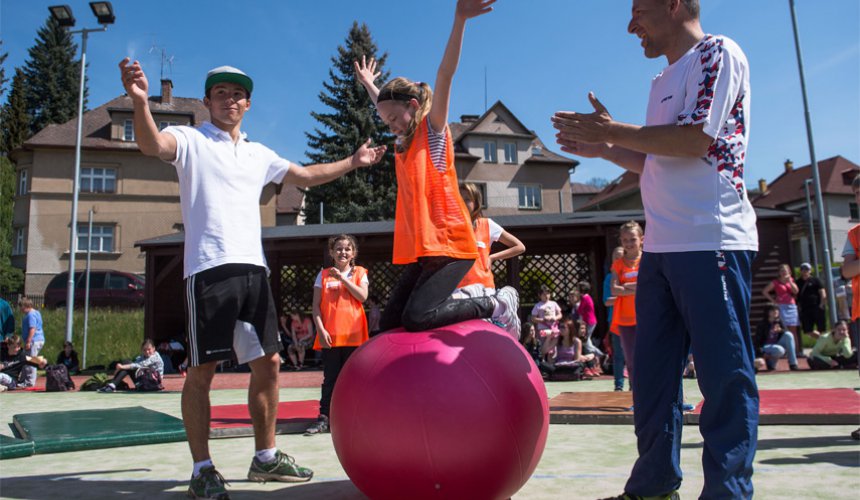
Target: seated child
(149,359)
(545,315)
(69,357)
(833,350)
(12,368)
(772,342)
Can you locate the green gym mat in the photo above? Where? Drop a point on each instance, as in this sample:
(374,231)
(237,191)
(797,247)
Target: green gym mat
(59,431)
(13,448)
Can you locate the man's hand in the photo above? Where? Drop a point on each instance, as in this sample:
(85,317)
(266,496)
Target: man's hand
(587,128)
(134,80)
(366,155)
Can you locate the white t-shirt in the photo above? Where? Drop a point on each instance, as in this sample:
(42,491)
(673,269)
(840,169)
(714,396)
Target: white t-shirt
(220,184)
(495,230)
(696,204)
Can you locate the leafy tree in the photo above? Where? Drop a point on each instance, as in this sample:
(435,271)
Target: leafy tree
(53,77)
(364,194)
(598,182)
(11,278)
(16,121)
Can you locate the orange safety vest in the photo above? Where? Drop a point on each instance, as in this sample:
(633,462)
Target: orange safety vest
(342,314)
(624,310)
(481,272)
(431,218)
(854,238)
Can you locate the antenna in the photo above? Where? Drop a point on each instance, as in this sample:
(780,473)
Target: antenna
(165,59)
(485,89)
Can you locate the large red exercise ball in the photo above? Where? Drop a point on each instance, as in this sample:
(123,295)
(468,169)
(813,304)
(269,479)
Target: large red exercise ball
(451,413)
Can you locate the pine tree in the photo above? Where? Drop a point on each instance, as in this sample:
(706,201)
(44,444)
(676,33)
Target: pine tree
(13,115)
(3,78)
(53,77)
(365,194)
(11,278)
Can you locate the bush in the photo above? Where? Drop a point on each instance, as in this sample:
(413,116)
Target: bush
(112,334)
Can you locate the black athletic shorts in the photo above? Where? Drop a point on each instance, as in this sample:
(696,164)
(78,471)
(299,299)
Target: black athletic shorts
(229,308)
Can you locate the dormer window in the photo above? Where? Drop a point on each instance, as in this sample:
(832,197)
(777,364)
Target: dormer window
(128,131)
(510,152)
(537,151)
(490,153)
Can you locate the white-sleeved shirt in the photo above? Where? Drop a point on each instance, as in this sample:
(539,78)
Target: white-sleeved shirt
(220,183)
(695,204)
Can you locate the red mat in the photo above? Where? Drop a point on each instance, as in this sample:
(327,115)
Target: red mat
(235,421)
(803,406)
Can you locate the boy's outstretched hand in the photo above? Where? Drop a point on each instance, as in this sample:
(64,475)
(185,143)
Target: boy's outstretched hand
(133,79)
(366,155)
(467,9)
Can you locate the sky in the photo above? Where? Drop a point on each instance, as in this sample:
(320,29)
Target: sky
(539,56)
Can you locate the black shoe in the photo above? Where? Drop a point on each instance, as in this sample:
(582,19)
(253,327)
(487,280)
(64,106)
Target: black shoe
(793,368)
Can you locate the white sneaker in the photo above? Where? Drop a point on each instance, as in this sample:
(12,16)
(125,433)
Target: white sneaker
(509,297)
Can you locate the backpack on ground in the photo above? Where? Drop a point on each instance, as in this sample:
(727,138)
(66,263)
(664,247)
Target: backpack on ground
(57,379)
(148,379)
(96,382)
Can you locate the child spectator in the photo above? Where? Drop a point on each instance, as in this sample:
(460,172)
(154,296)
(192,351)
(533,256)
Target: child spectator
(149,359)
(772,342)
(545,315)
(625,273)
(172,353)
(573,300)
(833,350)
(302,330)
(614,338)
(12,367)
(69,357)
(339,293)
(531,342)
(585,310)
(811,297)
(782,292)
(32,336)
(373,314)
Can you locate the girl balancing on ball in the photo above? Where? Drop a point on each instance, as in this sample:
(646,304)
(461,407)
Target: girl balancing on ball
(433,235)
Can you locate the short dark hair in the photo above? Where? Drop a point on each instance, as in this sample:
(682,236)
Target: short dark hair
(692,7)
(584,287)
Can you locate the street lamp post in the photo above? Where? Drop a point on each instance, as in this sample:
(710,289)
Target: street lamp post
(816,181)
(63,15)
(811,221)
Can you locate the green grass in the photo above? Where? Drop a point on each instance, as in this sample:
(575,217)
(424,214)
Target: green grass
(111,334)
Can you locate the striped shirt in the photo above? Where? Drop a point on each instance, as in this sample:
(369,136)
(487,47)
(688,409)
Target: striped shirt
(437,142)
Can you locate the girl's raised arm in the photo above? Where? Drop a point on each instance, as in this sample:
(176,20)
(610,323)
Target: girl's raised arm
(366,74)
(466,9)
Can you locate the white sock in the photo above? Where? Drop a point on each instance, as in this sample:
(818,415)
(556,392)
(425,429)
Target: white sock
(266,456)
(111,385)
(499,307)
(200,465)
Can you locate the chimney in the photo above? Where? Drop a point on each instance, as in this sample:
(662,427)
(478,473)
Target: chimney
(166,92)
(468,118)
(789,166)
(762,186)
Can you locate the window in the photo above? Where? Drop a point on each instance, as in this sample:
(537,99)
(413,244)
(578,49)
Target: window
(118,282)
(483,190)
(97,280)
(852,209)
(22,183)
(490,154)
(128,131)
(529,196)
(19,241)
(510,152)
(98,180)
(102,238)
(164,125)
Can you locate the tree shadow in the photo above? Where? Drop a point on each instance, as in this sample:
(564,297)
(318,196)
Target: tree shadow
(840,458)
(75,485)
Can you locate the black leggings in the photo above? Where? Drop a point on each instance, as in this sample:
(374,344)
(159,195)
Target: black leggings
(421,300)
(333,360)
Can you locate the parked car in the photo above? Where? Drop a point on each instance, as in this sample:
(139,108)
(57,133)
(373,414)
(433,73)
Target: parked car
(108,288)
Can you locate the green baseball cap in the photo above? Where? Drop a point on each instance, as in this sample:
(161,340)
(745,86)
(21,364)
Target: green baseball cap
(228,74)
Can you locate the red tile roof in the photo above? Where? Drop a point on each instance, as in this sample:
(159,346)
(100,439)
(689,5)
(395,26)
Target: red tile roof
(835,174)
(627,183)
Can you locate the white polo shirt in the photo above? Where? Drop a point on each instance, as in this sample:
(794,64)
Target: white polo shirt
(220,184)
(697,204)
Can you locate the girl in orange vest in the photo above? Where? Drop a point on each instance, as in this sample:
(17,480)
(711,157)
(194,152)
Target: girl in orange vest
(625,272)
(433,234)
(339,293)
(479,280)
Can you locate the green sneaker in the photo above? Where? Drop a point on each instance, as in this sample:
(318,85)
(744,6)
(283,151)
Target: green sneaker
(283,469)
(209,484)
